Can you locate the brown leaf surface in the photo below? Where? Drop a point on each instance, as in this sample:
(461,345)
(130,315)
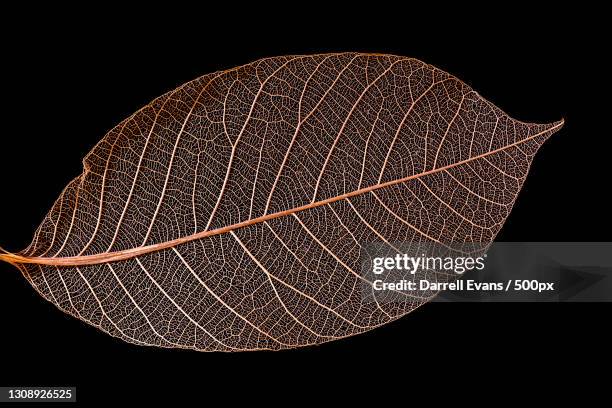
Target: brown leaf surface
(232,213)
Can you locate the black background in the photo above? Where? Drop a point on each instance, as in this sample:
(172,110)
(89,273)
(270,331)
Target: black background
(67,81)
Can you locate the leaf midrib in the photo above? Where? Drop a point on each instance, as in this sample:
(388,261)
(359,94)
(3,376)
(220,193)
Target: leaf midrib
(134,252)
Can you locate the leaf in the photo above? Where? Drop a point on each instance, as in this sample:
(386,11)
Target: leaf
(233,212)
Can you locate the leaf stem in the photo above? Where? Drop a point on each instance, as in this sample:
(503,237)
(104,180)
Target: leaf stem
(7,256)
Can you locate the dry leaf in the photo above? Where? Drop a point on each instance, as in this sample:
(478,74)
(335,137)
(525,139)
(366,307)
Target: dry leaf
(232,213)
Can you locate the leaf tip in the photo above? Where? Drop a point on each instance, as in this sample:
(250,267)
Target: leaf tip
(547,129)
(553,126)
